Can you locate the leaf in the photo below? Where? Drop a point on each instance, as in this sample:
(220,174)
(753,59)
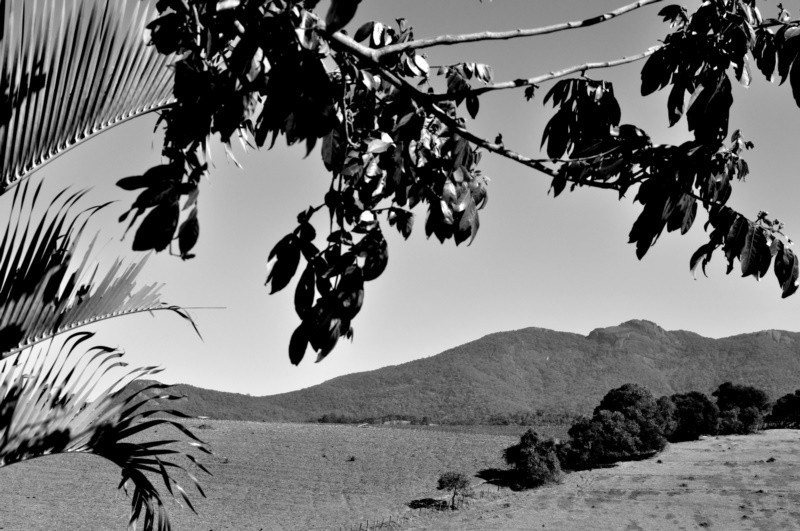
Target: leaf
(735,240)
(473,106)
(403,220)
(364,32)
(287,257)
(72,70)
(378,145)
(304,293)
(156,230)
(656,73)
(334,150)
(754,251)
(134,182)
(298,344)
(787,270)
(675,104)
(794,80)
(468,224)
(376,254)
(188,233)
(765,53)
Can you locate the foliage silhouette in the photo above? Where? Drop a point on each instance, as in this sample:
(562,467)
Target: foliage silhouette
(68,71)
(393,136)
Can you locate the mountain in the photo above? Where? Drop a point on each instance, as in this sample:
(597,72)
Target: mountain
(529,369)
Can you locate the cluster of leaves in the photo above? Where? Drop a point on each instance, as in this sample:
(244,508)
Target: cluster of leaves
(696,61)
(265,69)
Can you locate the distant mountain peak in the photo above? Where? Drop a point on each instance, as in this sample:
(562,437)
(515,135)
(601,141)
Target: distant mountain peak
(635,328)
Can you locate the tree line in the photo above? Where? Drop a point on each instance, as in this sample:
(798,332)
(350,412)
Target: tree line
(630,423)
(536,417)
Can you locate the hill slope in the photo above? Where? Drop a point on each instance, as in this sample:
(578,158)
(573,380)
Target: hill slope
(530,369)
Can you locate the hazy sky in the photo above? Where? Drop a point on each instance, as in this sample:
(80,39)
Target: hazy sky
(559,263)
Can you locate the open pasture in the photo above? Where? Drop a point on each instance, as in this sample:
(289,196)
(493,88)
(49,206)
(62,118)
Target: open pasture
(737,482)
(302,476)
(266,476)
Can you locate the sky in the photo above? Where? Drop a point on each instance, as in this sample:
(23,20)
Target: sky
(562,264)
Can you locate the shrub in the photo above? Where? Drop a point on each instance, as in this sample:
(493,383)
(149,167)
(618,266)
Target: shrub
(534,459)
(695,415)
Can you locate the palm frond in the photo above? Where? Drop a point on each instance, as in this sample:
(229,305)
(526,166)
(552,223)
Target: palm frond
(70,69)
(44,291)
(47,406)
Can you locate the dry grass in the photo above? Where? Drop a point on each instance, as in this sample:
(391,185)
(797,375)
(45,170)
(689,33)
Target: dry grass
(266,476)
(725,483)
(295,476)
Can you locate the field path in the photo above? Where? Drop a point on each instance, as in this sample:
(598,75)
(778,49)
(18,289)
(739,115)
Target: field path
(725,483)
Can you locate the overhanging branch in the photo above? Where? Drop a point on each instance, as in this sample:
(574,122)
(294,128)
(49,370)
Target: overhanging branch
(447,40)
(517,83)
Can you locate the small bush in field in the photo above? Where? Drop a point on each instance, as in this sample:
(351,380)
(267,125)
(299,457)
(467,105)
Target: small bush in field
(455,482)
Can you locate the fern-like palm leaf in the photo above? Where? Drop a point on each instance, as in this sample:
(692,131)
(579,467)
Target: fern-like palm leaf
(44,290)
(48,406)
(70,69)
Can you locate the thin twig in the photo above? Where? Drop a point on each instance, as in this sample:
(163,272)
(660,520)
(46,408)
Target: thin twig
(446,40)
(516,83)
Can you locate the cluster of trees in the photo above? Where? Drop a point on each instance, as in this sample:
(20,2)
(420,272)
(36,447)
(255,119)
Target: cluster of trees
(536,417)
(630,423)
(344,418)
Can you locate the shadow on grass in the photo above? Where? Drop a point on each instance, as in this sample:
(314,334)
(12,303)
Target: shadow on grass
(500,477)
(429,503)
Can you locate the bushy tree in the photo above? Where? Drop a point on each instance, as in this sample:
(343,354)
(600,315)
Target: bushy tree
(628,423)
(608,437)
(637,404)
(731,395)
(455,482)
(534,460)
(742,408)
(695,414)
(786,411)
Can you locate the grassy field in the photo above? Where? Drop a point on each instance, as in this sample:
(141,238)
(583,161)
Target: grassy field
(296,476)
(266,476)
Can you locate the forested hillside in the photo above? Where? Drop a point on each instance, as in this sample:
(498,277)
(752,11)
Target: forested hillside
(527,370)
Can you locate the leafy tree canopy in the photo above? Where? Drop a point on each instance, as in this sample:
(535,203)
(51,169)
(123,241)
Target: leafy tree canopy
(393,135)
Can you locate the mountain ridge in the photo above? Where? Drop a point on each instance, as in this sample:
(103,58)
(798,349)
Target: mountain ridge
(529,369)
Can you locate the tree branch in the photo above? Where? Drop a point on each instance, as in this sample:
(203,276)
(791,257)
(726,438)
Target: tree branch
(516,83)
(446,40)
(499,149)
